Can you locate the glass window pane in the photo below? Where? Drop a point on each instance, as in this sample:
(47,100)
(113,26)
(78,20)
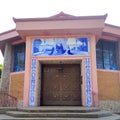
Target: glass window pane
(19,57)
(106,54)
(99,55)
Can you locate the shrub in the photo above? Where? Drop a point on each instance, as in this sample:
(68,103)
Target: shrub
(0,70)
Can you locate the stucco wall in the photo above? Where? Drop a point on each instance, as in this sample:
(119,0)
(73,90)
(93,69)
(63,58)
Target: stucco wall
(109,90)
(17,86)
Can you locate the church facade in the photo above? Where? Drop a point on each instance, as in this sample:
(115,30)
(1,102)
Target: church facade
(62,60)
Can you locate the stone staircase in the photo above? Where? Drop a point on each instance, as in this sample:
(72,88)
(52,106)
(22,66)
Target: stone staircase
(60,113)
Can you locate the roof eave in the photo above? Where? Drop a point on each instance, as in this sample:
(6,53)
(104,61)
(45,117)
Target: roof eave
(112,29)
(8,35)
(60,16)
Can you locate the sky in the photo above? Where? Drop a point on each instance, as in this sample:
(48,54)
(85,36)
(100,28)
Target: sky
(46,8)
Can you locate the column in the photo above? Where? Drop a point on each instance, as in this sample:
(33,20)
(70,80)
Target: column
(27,73)
(6,68)
(94,72)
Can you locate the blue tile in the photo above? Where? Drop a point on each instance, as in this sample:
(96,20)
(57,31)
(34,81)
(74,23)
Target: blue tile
(32,83)
(88,83)
(60,47)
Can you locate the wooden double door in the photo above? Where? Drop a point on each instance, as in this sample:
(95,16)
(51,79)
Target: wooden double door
(61,84)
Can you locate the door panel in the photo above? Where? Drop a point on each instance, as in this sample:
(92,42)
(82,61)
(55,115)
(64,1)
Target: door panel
(61,84)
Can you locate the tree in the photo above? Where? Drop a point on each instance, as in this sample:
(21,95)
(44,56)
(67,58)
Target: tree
(1,66)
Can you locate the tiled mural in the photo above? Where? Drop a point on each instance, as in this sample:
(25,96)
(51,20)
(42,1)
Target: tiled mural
(88,82)
(60,47)
(32,83)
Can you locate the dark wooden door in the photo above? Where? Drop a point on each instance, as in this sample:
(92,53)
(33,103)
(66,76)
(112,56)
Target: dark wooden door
(61,84)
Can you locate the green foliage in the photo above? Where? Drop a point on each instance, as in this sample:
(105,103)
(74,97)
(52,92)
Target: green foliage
(1,66)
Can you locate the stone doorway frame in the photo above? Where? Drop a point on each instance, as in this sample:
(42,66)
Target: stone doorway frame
(40,62)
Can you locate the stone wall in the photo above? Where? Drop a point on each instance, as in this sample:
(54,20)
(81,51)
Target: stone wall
(111,105)
(0,81)
(6,68)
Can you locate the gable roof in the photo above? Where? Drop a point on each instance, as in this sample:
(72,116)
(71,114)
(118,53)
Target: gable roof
(60,16)
(60,24)
(15,34)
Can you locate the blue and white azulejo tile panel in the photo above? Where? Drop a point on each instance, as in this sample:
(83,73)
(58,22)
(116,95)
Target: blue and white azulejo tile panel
(32,83)
(88,82)
(60,47)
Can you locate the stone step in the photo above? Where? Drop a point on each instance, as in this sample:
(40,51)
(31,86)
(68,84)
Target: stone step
(19,114)
(113,117)
(3,110)
(60,109)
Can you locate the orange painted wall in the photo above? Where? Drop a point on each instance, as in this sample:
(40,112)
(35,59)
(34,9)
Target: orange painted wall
(17,85)
(108,85)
